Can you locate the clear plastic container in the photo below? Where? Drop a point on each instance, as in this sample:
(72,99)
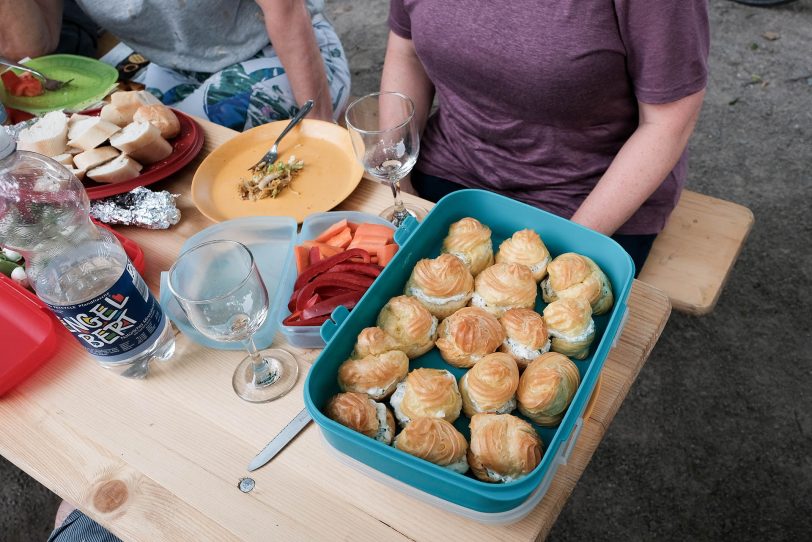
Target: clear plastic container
(312,226)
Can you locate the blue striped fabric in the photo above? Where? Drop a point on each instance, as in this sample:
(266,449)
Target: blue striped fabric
(77,527)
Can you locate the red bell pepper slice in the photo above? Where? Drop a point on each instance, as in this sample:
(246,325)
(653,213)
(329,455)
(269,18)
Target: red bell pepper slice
(317,269)
(317,321)
(344,280)
(369,269)
(326,307)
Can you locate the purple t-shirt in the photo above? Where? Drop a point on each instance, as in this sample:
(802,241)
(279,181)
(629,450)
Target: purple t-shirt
(536,98)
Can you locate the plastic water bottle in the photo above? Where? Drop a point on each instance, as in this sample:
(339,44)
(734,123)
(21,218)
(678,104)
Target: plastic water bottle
(81,272)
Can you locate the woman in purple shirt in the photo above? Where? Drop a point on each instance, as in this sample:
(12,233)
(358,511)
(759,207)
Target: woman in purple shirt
(579,107)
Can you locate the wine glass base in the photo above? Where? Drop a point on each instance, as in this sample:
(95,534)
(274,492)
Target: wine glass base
(284,372)
(415,210)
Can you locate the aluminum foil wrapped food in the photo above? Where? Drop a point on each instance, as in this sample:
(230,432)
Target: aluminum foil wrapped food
(138,207)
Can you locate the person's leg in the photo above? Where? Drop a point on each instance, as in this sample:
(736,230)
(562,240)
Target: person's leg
(432,188)
(78,527)
(638,247)
(254,91)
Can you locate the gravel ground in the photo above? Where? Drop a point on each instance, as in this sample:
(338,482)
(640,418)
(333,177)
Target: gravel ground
(713,440)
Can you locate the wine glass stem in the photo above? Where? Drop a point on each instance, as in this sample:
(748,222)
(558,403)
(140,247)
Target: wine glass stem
(262,372)
(400,212)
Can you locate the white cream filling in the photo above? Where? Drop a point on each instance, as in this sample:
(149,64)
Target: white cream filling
(536,268)
(496,477)
(508,407)
(376,393)
(433,331)
(396,400)
(464,258)
(574,338)
(419,294)
(478,301)
(518,350)
(384,433)
(460,466)
(546,289)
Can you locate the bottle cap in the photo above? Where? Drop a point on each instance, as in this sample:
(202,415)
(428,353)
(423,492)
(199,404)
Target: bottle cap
(7,144)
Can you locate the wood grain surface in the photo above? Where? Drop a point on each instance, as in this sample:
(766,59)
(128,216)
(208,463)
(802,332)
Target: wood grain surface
(161,458)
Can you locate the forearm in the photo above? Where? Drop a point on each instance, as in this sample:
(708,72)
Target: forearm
(403,72)
(31,27)
(291,33)
(642,164)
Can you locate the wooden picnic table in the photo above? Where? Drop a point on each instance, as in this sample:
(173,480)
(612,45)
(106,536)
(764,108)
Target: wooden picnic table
(161,458)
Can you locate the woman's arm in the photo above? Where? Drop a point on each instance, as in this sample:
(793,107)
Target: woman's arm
(291,33)
(642,164)
(403,72)
(30,27)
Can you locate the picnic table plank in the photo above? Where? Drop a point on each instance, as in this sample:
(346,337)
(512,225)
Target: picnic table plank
(161,459)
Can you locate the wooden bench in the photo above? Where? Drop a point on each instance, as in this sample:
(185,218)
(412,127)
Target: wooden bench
(692,257)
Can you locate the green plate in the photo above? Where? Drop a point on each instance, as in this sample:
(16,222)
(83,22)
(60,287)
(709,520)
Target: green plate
(92,80)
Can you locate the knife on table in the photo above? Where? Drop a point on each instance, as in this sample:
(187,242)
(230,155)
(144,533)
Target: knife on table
(281,440)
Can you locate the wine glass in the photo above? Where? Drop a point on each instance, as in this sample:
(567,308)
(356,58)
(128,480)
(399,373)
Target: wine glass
(384,136)
(220,290)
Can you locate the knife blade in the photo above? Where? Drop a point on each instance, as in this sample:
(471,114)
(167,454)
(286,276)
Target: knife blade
(281,440)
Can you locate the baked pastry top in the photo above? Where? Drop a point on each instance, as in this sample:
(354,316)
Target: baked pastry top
(435,440)
(470,241)
(375,341)
(442,284)
(527,248)
(467,335)
(503,447)
(526,336)
(490,385)
(504,286)
(375,375)
(547,387)
(575,275)
(360,413)
(413,327)
(427,393)
(570,325)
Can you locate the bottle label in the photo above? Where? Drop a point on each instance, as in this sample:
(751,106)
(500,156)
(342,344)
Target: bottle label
(119,324)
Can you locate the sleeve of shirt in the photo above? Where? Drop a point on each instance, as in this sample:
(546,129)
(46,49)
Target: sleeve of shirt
(666,47)
(399,21)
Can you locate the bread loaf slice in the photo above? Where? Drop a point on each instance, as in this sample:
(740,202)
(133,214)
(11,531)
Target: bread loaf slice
(92,132)
(128,102)
(65,159)
(75,119)
(95,157)
(113,114)
(159,116)
(117,170)
(48,136)
(142,141)
(79,173)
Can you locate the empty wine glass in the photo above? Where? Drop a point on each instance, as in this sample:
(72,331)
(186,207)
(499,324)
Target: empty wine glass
(220,290)
(386,142)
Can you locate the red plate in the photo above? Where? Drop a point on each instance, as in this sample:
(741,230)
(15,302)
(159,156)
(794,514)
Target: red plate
(185,147)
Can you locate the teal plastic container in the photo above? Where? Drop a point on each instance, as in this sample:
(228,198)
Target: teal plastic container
(464,493)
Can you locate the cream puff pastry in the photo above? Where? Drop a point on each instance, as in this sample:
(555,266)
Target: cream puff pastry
(411,324)
(374,341)
(527,248)
(443,284)
(504,286)
(570,324)
(503,447)
(435,440)
(470,241)
(360,413)
(490,385)
(574,275)
(427,393)
(374,375)
(547,387)
(467,335)
(526,336)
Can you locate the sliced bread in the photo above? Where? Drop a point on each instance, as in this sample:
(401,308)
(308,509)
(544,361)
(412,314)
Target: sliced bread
(92,132)
(128,102)
(95,157)
(117,170)
(161,117)
(48,136)
(65,159)
(113,114)
(142,141)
